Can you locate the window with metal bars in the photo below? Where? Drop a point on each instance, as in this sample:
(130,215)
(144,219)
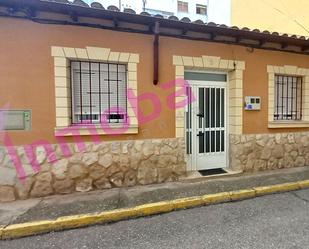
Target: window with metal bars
(99,92)
(201,9)
(182,6)
(288,98)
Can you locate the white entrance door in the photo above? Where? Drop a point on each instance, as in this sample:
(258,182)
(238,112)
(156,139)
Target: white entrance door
(206,126)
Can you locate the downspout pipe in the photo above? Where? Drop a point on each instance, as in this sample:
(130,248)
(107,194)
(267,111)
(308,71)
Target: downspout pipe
(156,54)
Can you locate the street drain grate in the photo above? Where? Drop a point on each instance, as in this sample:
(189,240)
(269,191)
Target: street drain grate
(209,172)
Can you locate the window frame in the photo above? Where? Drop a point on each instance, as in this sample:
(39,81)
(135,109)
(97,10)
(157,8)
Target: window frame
(63,95)
(201,6)
(288,81)
(101,112)
(288,70)
(183,3)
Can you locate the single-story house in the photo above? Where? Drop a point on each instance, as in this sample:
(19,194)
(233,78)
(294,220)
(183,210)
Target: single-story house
(95,98)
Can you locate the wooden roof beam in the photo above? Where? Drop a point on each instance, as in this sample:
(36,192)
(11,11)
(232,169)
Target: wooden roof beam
(184,31)
(238,39)
(212,36)
(73,16)
(116,22)
(30,12)
(304,48)
(12,10)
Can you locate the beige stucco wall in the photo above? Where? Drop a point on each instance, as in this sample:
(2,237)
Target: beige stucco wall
(28,79)
(27,76)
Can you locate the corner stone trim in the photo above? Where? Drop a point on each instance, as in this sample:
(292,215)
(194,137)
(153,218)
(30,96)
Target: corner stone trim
(102,166)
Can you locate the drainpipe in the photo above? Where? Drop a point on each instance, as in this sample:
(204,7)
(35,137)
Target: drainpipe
(156,54)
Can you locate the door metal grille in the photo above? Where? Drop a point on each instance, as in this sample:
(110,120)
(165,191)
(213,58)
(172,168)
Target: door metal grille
(211,120)
(189,121)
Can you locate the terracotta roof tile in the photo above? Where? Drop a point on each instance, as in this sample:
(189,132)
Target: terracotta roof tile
(98,5)
(173,21)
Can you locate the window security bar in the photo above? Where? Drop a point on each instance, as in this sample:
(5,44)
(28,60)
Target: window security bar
(288,98)
(99,92)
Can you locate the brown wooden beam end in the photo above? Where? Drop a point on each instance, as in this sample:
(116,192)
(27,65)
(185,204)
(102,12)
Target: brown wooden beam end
(73,16)
(30,12)
(284,45)
(262,43)
(115,21)
(238,39)
(304,48)
(212,36)
(11,10)
(184,31)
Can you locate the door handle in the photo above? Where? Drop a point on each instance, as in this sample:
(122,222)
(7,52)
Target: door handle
(200,115)
(200,134)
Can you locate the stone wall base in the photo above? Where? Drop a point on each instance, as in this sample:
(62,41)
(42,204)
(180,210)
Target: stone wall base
(251,153)
(102,166)
(140,162)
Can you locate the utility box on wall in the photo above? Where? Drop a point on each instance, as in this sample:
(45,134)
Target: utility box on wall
(252,103)
(15,120)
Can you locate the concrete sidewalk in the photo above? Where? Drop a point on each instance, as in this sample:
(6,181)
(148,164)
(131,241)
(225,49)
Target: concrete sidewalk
(98,201)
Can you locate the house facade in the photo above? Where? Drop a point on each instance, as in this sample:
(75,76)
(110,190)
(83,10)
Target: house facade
(95,98)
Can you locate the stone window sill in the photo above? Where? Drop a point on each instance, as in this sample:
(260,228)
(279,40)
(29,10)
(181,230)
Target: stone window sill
(96,130)
(288,124)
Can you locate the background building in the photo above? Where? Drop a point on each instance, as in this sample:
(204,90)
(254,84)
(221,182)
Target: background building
(284,16)
(205,10)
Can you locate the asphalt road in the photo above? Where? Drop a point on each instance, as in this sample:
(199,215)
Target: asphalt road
(277,221)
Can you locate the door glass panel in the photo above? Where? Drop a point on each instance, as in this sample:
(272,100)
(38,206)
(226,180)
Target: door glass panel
(212,141)
(189,122)
(212,107)
(218,109)
(222,141)
(188,119)
(207,142)
(201,142)
(222,107)
(188,142)
(205,76)
(201,107)
(207,108)
(218,141)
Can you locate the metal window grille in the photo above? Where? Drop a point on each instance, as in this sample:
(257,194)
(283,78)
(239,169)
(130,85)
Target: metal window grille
(99,92)
(288,98)
(201,9)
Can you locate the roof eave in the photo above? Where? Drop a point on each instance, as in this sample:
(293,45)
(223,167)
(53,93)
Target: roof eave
(82,11)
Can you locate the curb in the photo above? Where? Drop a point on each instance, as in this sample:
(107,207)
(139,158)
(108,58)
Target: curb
(77,221)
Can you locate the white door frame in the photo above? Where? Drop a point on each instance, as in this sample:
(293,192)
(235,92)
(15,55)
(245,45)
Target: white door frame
(192,158)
